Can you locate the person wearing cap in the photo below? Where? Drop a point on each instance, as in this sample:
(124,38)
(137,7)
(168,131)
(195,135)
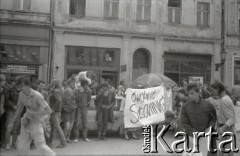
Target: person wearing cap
(104,101)
(55,103)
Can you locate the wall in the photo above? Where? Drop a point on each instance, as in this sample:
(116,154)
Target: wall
(127,21)
(232,41)
(30,28)
(42,6)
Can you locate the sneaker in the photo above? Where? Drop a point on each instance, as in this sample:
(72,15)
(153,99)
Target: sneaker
(8,147)
(75,140)
(86,139)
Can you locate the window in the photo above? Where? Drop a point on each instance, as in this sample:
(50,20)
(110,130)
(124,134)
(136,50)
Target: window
(174,11)
(184,66)
(18,53)
(111,8)
(92,56)
(77,7)
(22,5)
(202,14)
(143,10)
(237,71)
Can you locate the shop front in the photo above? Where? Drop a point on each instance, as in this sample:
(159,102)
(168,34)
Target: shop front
(101,63)
(17,60)
(193,68)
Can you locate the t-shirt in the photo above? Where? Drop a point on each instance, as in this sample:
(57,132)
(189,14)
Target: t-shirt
(34,103)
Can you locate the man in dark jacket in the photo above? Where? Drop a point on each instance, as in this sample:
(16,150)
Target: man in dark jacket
(105,101)
(55,103)
(83,97)
(197,115)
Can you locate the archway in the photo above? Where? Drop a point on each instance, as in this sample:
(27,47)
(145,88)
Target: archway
(141,63)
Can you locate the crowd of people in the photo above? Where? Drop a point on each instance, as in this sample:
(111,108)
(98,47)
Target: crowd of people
(198,108)
(31,110)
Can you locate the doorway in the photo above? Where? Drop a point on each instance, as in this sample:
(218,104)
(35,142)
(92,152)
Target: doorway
(141,63)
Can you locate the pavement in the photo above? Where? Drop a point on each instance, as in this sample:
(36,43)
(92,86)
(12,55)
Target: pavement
(114,145)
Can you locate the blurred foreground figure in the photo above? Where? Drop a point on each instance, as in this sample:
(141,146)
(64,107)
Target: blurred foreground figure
(32,122)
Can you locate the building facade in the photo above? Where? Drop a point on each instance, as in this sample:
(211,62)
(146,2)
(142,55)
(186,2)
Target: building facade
(123,39)
(232,42)
(24,37)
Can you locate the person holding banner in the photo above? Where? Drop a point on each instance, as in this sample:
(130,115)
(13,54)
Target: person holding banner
(127,129)
(105,100)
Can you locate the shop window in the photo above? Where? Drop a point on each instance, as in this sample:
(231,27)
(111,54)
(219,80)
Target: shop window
(17,53)
(111,9)
(174,11)
(180,66)
(91,56)
(237,71)
(203,13)
(77,7)
(22,5)
(143,10)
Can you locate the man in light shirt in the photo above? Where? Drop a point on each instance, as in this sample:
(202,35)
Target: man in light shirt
(32,122)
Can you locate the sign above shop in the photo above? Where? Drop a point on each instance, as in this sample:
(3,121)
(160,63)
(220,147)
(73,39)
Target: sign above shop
(197,80)
(18,69)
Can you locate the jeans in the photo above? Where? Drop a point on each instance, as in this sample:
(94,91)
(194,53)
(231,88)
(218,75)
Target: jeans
(10,115)
(81,116)
(103,115)
(36,133)
(67,129)
(55,125)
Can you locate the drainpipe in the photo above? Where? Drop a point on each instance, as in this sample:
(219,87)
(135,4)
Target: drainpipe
(50,54)
(223,46)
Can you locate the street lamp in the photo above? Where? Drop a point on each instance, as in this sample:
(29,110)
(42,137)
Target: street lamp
(223,59)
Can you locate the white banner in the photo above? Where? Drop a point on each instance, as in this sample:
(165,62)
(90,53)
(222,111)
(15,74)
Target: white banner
(144,107)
